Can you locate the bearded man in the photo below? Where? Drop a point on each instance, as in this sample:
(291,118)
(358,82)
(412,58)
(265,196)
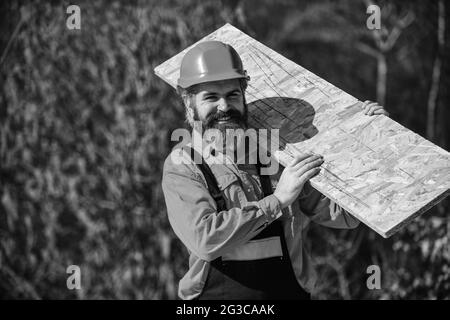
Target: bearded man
(246,239)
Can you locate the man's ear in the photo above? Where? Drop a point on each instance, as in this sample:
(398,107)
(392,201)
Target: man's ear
(187,101)
(189,113)
(184,96)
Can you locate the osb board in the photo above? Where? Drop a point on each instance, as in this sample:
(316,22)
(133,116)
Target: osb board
(376,169)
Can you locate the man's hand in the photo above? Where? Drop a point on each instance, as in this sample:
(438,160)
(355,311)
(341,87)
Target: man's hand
(372,108)
(294,176)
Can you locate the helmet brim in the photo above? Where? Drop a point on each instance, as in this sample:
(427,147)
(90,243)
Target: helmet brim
(188,82)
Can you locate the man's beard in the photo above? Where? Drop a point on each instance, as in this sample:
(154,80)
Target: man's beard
(228,124)
(231,119)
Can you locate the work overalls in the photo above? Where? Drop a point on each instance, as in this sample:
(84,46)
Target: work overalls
(269,278)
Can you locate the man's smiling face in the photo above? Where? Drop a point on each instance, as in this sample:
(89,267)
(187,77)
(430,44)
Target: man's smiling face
(220,105)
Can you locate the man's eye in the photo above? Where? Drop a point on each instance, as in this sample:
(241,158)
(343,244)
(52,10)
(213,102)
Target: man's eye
(210,98)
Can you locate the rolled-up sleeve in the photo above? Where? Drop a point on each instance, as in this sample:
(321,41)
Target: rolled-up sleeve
(195,219)
(323,211)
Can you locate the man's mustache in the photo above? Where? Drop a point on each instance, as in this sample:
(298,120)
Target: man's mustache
(230,115)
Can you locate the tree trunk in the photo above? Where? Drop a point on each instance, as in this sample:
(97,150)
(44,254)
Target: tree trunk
(436,75)
(381,78)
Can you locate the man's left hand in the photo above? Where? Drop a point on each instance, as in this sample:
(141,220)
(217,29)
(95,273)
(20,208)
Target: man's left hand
(373,108)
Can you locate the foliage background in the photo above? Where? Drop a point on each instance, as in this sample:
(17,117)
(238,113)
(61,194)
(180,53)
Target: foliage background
(85,127)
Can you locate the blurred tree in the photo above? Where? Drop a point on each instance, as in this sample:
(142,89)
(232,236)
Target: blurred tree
(85,127)
(436,75)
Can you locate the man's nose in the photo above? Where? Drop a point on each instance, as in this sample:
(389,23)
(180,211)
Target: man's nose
(223,105)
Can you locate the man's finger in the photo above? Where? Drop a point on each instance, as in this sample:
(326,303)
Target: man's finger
(381,111)
(365,103)
(373,109)
(305,161)
(308,166)
(309,174)
(298,158)
(369,106)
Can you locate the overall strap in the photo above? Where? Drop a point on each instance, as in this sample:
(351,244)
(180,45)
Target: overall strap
(213,187)
(210,179)
(266,185)
(275,228)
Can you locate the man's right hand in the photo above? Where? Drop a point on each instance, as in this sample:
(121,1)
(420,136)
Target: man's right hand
(302,168)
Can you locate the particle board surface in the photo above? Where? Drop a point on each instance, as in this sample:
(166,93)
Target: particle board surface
(379,171)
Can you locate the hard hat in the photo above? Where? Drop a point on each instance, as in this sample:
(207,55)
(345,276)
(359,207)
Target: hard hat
(210,61)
